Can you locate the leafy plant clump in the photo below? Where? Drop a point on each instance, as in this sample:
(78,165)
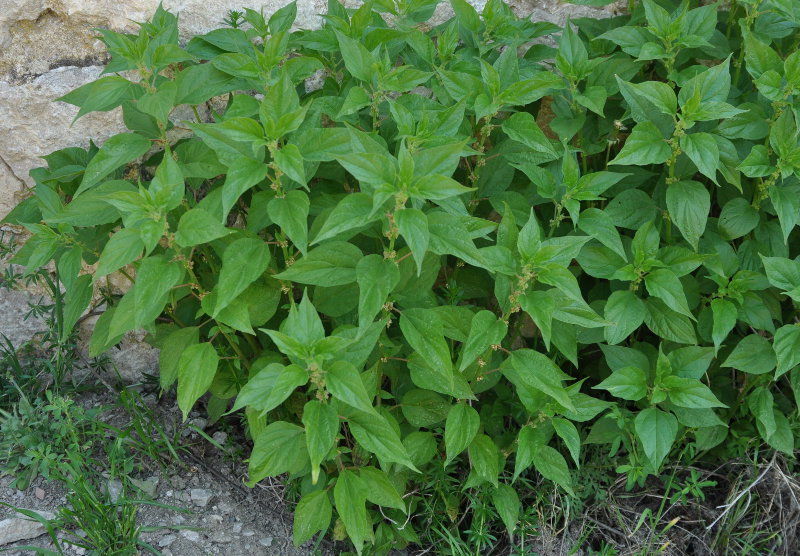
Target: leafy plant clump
(459,258)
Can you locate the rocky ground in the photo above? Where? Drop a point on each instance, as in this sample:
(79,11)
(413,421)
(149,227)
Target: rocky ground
(199,508)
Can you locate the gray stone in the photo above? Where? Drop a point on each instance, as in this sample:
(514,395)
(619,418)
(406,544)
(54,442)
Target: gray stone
(16,529)
(114,490)
(220,437)
(201,496)
(265,541)
(166,540)
(191,536)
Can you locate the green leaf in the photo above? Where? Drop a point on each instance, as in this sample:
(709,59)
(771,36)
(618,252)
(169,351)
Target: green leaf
(343,380)
(102,95)
(787,348)
(243,262)
(196,370)
(353,211)
(115,152)
(664,284)
(762,406)
(170,354)
(724,315)
(738,218)
(538,371)
(689,204)
(422,329)
(645,145)
(376,278)
(311,515)
(569,434)
(690,392)
(522,127)
(413,227)
(155,277)
(460,429)
(466,15)
(552,466)
(375,434)
(627,383)
(507,504)
(78,297)
(759,57)
(197,226)
(656,430)
(669,324)
(485,330)
(350,495)
(423,408)
(782,273)
(786,202)
(600,226)
(526,91)
(290,212)
(701,148)
(124,247)
(530,238)
(287,381)
(322,425)
(279,448)
(626,312)
(357,59)
(331,264)
(753,354)
(290,161)
(380,489)
(483,458)
(243,174)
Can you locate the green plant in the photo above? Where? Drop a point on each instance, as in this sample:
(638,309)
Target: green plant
(459,259)
(37,437)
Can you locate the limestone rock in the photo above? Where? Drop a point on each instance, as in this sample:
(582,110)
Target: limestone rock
(16,529)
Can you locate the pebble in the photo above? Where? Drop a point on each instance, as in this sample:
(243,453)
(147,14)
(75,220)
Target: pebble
(220,437)
(167,540)
(248,533)
(192,536)
(201,496)
(114,490)
(266,541)
(39,493)
(225,508)
(215,517)
(221,537)
(237,528)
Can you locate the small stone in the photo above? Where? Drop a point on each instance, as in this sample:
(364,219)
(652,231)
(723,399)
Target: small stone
(167,540)
(192,536)
(266,541)
(18,529)
(225,508)
(199,422)
(221,538)
(39,493)
(248,533)
(201,496)
(237,528)
(114,490)
(215,517)
(220,437)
